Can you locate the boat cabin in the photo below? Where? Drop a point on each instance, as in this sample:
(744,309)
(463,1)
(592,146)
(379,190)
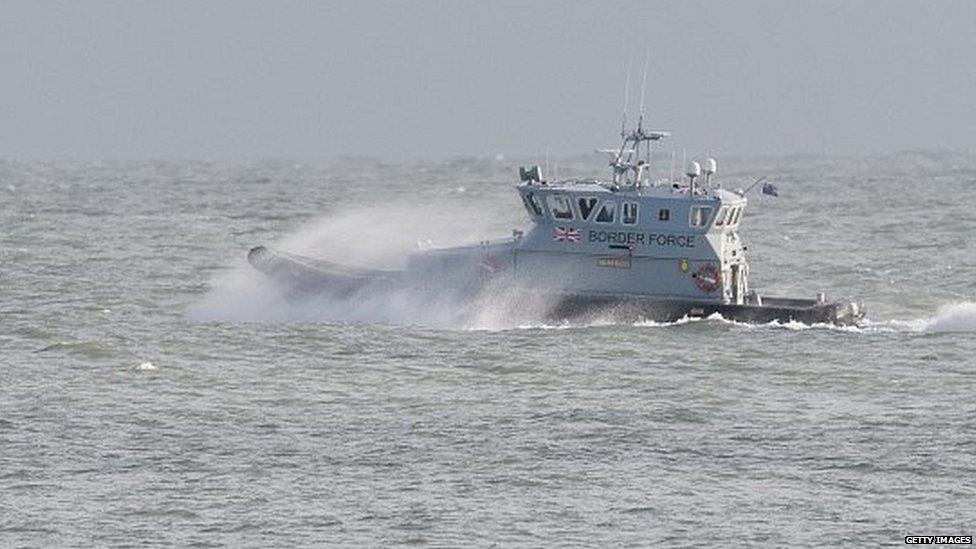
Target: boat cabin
(660,240)
(666,240)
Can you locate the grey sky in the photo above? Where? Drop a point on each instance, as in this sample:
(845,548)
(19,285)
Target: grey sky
(244,79)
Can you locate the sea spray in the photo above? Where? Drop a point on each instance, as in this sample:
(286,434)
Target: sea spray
(383,235)
(956,317)
(379,236)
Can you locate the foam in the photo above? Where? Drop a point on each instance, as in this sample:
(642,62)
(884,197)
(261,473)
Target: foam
(955,317)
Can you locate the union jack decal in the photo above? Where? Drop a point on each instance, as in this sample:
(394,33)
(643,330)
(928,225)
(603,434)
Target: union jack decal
(563,234)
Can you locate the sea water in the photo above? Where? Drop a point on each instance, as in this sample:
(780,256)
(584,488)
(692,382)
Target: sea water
(154,390)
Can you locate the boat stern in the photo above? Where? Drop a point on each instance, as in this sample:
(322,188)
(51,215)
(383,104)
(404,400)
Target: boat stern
(847,312)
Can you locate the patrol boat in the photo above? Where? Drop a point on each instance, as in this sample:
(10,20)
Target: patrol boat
(625,249)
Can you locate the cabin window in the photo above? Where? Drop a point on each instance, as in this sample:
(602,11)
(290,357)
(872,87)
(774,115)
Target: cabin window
(559,206)
(536,204)
(532,204)
(700,215)
(586,206)
(720,216)
(607,212)
(738,214)
(629,213)
(664,214)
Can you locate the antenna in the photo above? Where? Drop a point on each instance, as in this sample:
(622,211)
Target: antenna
(628,161)
(671,176)
(623,118)
(750,187)
(647,176)
(547,165)
(640,124)
(638,136)
(647,60)
(684,156)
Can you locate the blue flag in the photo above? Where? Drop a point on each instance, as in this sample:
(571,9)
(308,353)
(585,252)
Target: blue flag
(770,189)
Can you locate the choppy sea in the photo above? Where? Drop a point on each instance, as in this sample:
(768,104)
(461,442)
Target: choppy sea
(153,392)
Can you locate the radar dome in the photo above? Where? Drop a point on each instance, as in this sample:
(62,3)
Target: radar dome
(693,169)
(710,166)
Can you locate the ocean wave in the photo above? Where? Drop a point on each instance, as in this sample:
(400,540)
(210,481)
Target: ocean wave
(85,349)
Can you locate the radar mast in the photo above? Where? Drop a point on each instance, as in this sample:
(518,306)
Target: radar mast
(631,167)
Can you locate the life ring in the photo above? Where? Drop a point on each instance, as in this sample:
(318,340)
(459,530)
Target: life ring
(708,278)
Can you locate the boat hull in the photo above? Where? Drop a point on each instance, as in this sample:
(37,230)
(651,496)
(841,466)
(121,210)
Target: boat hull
(302,274)
(305,275)
(631,308)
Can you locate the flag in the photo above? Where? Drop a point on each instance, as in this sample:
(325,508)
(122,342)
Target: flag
(563,234)
(770,189)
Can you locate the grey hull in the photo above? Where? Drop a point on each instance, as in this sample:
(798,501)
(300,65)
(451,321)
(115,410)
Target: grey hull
(635,308)
(301,274)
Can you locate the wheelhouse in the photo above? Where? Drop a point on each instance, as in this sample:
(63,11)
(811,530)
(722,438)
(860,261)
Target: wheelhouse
(718,210)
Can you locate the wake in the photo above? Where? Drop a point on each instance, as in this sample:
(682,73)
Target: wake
(952,318)
(245,296)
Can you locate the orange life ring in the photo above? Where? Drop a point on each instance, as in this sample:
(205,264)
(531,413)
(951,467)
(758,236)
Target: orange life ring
(708,278)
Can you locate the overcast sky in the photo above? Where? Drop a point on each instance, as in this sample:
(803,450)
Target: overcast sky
(412,79)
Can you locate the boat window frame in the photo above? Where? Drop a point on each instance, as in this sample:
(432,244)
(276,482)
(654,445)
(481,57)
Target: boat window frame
(735,216)
(613,212)
(592,210)
(664,214)
(533,205)
(723,213)
(550,198)
(704,223)
(623,212)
